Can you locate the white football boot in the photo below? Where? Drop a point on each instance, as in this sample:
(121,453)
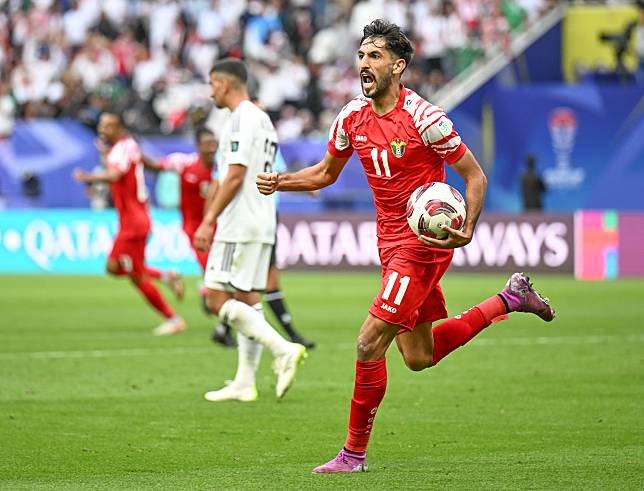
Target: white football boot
(232,393)
(285,366)
(168,327)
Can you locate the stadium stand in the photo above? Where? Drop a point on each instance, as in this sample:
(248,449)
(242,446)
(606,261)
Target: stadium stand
(151,58)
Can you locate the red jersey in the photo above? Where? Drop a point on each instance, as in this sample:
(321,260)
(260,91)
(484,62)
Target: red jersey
(129,193)
(400,151)
(195,181)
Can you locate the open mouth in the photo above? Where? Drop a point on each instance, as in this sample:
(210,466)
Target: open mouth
(368,81)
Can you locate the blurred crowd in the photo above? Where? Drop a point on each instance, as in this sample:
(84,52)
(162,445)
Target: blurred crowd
(150,59)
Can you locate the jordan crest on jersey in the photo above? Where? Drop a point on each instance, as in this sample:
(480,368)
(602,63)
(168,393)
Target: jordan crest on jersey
(398,147)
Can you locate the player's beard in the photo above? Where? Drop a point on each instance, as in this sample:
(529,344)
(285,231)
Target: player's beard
(380,86)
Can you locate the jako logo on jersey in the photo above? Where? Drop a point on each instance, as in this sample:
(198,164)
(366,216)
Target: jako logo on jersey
(388,308)
(234,146)
(398,147)
(361,138)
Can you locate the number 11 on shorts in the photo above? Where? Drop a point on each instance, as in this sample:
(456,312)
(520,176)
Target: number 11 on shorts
(404,283)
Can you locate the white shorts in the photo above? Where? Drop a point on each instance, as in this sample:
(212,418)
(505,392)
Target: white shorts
(241,266)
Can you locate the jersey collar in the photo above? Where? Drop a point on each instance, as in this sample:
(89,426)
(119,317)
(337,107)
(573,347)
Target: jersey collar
(399,104)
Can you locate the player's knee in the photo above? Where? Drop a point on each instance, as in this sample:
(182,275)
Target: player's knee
(112,267)
(212,304)
(136,278)
(368,349)
(417,361)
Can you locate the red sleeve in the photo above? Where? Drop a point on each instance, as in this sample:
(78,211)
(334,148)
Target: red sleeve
(453,157)
(175,162)
(438,132)
(339,144)
(338,153)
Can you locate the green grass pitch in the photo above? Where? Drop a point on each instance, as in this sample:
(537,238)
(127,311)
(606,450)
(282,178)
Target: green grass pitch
(89,399)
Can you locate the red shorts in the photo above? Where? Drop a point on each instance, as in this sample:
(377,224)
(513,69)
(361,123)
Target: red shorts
(410,293)
(130,253)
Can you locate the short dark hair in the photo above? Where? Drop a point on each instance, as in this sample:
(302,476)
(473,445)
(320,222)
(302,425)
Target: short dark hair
(231,66)
(395,39)
(200,132)
(531,161)
(117,114)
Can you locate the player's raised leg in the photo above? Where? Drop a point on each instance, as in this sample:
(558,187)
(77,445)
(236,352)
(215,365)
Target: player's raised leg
(424,347)
(172,279)
(127,259)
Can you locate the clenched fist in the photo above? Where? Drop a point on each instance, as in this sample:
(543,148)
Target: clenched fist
(266,182)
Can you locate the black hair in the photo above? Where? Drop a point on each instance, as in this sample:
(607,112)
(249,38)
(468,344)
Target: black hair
(395,39)
(200,132)
(231,66)
(531,161)
(118,115)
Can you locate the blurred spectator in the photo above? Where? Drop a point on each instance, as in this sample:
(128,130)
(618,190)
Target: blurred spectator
(94,63)
(532,186)
(151,58)
(7,111)
(30,185)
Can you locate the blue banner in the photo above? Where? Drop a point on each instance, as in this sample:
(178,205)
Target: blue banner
(587,141)
(78,242)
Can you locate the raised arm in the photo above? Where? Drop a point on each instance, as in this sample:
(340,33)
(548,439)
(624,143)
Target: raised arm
(212,192)
(475,185)
(312,178)
(150,163)
(108,175)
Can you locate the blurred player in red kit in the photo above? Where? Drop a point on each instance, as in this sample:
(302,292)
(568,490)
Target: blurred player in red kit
(402,142)
(124,173)
(198,188)
(196,182)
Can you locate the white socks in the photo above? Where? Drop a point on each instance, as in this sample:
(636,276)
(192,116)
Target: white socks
(249,353)
(252,324)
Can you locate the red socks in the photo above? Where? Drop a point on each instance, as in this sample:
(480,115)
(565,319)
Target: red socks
(154,298)
(202,258)
(368,392)
(371,376)
(457,331)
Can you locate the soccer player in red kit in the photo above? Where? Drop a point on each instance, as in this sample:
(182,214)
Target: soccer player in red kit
(124,173)
(197,188)
(195,173)
(402,142)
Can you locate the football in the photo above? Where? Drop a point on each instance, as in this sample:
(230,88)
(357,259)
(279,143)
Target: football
(434,205)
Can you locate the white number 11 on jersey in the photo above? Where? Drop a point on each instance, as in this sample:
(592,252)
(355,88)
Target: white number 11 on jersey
(404,283)
(385,161)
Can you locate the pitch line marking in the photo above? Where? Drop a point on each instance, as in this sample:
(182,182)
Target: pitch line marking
(189,350)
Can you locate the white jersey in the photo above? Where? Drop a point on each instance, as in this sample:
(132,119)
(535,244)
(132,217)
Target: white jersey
(249,139)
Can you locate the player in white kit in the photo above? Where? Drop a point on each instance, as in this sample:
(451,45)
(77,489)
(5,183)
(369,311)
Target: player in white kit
(238,262)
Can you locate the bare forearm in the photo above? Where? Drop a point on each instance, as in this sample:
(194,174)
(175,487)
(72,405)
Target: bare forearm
(151,164)
(475,188)
(97,177)
(308,179)
(212,192)
(222,197)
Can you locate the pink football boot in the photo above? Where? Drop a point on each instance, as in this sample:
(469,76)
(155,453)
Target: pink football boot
(345,462)
(521,297)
